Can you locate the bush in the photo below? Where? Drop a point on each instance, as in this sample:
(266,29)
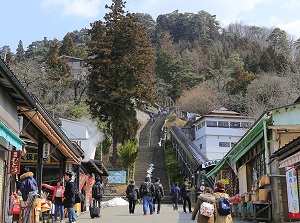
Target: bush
(173,167)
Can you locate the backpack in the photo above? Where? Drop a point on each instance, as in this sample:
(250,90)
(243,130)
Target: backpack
(207,209)
(157,191)
(223,206)
(97,191)
(146,188)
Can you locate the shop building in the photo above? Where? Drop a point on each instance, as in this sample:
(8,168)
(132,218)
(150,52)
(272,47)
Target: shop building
(259,175)
(29,137)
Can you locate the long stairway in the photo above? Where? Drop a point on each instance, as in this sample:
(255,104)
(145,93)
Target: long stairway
(152,153)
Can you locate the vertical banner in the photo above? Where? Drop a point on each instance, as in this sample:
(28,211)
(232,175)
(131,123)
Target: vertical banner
(14,162)
(292,192)
(82,179)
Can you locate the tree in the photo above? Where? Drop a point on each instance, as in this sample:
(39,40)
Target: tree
(59,75)
(128,154)
(67,47)
(121,62)
(20,53)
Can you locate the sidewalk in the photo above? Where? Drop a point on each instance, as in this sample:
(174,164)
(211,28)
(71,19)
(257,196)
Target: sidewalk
(120,214)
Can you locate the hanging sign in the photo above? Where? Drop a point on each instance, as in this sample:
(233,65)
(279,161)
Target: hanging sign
(14,162)
(292,192)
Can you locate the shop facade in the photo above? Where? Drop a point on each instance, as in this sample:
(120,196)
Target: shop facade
(258,173)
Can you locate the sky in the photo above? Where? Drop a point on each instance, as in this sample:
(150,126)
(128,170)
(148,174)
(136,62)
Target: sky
(33,20)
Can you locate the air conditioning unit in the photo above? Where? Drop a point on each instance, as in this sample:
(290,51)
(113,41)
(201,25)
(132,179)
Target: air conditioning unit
(46,150)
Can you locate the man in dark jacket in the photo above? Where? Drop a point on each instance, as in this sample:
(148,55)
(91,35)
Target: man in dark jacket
(185,192)
(70,196)
(97,192)
(28,184)
(175,196)
(132,193)
(158,194)
(147,192)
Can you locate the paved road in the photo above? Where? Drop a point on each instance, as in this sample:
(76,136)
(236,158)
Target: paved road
(120,214)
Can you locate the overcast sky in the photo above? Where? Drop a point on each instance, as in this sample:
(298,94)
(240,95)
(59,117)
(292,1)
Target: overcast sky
(33,20)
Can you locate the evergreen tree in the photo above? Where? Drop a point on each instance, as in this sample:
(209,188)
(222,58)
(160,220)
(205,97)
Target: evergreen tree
(121,61)
(67,47)
(20,53)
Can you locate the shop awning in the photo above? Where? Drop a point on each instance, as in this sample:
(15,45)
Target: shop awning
(290,160)
(96,167)
(10,137)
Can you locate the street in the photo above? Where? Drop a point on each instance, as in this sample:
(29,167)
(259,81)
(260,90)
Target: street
(121,214)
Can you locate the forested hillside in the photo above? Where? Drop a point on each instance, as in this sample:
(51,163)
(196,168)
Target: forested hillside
(198,64)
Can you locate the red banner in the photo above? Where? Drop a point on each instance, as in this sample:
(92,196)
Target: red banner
(14,162)
(82,179)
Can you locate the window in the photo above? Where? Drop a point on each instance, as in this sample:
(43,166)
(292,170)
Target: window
(235,124)
(211,123)
(224,144)
(223,124)
(200,146)
(246,125)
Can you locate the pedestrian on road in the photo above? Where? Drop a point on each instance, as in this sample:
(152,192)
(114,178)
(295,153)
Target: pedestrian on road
(158,194)
(58,198)
(97,193)
(218,193)
(132,194)
(175,196)
(208,197)
(69,196)
(147,192)
(185,192)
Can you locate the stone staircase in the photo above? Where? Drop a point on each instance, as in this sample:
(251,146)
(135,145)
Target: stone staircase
(152,153)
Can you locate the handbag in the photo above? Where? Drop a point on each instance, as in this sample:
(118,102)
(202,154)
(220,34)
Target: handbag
(207,209)
(79,197)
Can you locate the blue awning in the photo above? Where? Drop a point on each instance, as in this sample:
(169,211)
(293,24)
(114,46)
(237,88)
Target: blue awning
(10,137)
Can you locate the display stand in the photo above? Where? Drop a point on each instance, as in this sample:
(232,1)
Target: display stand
(261,211)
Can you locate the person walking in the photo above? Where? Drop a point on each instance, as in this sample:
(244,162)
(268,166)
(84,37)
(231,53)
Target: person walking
(185,192)
(147,192)
(218,193)
(58,198)
(97,192)
(158,194)
(175,196)
(208,197)
(69,196)
(132,194)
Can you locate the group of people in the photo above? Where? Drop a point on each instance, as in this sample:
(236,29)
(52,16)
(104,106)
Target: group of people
(212,197)
(63,196)
(150,193)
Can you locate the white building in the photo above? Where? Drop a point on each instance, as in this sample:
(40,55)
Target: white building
(217,132)
(86,135)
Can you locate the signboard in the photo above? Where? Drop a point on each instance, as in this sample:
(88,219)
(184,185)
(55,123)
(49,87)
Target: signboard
(32,158)
(292,192)
(210,163)
(14,162)
(117,177)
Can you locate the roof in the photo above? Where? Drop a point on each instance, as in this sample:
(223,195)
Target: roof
(223,110)
(96,167)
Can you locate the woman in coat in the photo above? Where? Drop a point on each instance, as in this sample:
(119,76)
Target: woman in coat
(132,193)
(218,193)
(208,197)
(58,198)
